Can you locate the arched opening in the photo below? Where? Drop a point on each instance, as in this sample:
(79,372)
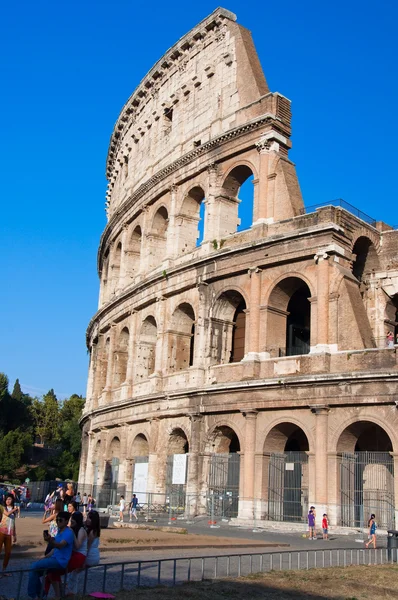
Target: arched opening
(121,358)
(366,260)
(182,338)
(237,201)
(133,253)
(228,328)
(366,475)
(157,239)
(285,473)
(224,471)
(177,467)
(140,456)
(289,318)
(146,351)
(109,492)
(190,221)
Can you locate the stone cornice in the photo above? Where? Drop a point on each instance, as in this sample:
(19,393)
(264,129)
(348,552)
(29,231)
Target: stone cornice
(182,161)
(173,56)
(328,379)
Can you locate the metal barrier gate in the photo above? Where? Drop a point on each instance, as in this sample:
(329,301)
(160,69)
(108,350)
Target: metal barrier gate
(288,486)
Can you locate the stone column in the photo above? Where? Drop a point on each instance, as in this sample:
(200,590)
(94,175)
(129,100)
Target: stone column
(193,479)
(246,505)
(171,242)
(123,257)
(200,337)
(209,232)
(260,207)
(153,459)
(254,314)
(322,303)
(395,457)
(321,458)
(161,359)
(127,387)
(109,372)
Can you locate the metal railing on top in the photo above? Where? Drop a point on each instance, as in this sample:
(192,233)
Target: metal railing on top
(342,204)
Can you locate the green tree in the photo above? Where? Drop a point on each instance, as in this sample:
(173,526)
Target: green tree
(14,447)
(71,436)
(14,411)
(17,393)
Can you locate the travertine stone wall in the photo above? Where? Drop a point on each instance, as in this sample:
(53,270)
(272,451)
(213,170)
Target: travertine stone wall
(234,346)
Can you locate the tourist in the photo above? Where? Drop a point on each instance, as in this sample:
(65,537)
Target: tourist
(70,493)
(8,533)
(133,508)
(51,519)
(78,500)
(325,526)
(78,556)
(57,559)
(122,508)
(390,339)
(314,511)
(72,507)
(90,502)
(84,502)
(311,525)
(93,530)
(372,531)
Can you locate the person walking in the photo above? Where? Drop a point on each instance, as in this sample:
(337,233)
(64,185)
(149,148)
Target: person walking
(78,500)
(8,532)
(122,508)
(311,525)
(84,502)
(390,339)
(57,559)
(372,531)
(133,508)
(325,527)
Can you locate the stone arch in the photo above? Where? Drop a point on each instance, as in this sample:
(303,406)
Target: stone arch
(367,433)
(230,206)
(366,258)
(157,237)
(289,317)
(177,442)
(121,357)
(366,479)
(228,328)
(133,252)
(114,447)
(190,220)
(285,471)
(146,350)
(224,469)
(181,338)
(221,434)
(140,445)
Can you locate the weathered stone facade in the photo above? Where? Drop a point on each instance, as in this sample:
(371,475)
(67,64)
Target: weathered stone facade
(261,353)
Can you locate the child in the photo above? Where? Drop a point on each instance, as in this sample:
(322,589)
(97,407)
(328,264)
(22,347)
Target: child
(311,525)
(325,526)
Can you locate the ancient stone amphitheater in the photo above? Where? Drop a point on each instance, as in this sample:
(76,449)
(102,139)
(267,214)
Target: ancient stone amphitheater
(243,369)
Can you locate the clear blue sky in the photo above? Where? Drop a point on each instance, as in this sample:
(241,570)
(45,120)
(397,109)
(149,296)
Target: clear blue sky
(66,71)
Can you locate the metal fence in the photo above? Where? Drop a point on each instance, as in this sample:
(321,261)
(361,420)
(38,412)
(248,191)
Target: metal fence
(339,202)
(113,577)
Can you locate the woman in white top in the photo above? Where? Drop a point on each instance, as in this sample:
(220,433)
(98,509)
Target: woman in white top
(93,529)
(122,508)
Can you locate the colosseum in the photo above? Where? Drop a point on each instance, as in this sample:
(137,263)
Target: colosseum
(250,367)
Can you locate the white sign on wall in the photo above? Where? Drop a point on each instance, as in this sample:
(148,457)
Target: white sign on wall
(179,468)
(140,481)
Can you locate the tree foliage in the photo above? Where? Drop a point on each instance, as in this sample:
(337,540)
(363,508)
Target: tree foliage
(46,422)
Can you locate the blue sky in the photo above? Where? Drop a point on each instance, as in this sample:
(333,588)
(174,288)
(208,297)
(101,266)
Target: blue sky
(66,71)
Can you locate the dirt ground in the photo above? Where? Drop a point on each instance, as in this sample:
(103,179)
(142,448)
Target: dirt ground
(30,538)
(339,583)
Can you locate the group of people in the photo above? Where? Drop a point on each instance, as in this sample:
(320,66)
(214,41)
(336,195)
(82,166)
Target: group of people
(312,535)
(72,543)
(21,495)
(133,507)
(372,526)
(67,495)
